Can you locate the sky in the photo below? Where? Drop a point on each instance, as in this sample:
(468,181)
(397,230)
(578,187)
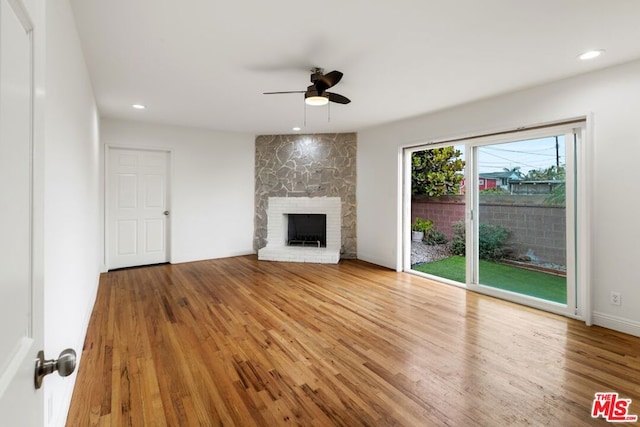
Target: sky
(530,154)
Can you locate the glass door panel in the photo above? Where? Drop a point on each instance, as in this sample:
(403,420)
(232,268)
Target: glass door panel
(437,214)
(521,226)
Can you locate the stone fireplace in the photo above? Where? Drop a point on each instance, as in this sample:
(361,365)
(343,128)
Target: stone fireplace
(279,247)
(319,166)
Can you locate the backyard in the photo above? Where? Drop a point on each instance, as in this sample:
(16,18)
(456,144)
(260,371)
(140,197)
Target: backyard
(550,287)
(520,224)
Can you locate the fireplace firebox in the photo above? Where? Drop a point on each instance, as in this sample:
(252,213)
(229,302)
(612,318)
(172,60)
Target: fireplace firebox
(307,230)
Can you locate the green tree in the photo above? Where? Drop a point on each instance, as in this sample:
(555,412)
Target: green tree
(558,196)
(546,174)
(552,173)
(436,171)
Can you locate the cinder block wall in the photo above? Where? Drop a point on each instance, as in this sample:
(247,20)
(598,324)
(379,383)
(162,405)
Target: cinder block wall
(535,228)
(443,211)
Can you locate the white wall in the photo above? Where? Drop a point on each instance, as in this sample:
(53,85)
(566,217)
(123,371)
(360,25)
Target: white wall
(212,185)
(610,95)
(71,200)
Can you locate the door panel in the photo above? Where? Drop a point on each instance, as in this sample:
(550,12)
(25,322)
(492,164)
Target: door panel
(127,236)
(154,194)
(527,209)
(154,236)
(127,190)
(137,193)
(536,207)
(20,327)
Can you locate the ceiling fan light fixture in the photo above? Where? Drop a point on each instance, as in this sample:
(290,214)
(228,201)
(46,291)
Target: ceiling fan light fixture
(316,93)
(316,100)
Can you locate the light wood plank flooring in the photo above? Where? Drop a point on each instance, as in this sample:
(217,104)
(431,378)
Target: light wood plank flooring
(238,342)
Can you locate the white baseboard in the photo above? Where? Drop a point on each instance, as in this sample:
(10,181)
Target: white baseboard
(63,398)
(230,254)
(616,323)
(375,260)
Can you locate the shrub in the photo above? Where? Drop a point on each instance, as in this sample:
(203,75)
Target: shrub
(491,240)
(458,241)
(437,171)
(421,225)
(434,237)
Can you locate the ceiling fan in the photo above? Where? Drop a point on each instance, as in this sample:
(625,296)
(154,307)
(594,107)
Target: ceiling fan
(316,93)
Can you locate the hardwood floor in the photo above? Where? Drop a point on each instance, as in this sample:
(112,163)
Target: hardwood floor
(247,343)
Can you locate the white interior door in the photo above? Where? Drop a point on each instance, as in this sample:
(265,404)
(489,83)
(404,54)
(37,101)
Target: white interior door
(20,312)
(137,207)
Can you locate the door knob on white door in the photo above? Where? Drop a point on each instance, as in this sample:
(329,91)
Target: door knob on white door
(166,213)
(65,365)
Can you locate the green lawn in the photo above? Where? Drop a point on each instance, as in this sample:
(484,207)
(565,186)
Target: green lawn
(533,283)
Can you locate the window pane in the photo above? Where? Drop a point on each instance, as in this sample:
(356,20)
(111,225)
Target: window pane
(522,217)
(438,211)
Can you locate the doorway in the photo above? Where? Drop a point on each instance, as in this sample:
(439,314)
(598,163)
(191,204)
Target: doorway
(515,231)
(137,207)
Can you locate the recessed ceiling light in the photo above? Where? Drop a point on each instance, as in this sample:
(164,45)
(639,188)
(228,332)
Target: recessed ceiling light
(590,54)
(139,106)
(296,128)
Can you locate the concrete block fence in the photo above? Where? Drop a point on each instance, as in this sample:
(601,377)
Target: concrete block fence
(536,230)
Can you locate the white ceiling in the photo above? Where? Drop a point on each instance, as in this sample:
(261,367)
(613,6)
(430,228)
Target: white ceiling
(205,63)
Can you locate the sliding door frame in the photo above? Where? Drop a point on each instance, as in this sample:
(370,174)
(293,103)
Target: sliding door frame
(573,134)
(578,207)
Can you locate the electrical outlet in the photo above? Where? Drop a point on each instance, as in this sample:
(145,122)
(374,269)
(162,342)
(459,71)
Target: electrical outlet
(615,298)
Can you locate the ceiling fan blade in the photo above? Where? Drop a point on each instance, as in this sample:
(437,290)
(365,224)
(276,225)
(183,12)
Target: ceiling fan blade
(288,91)
(328,80)
(334,97)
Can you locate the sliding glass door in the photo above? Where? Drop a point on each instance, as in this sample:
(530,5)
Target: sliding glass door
(514,236)
(524,219)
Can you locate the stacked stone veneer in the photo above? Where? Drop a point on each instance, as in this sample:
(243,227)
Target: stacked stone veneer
(320,165)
